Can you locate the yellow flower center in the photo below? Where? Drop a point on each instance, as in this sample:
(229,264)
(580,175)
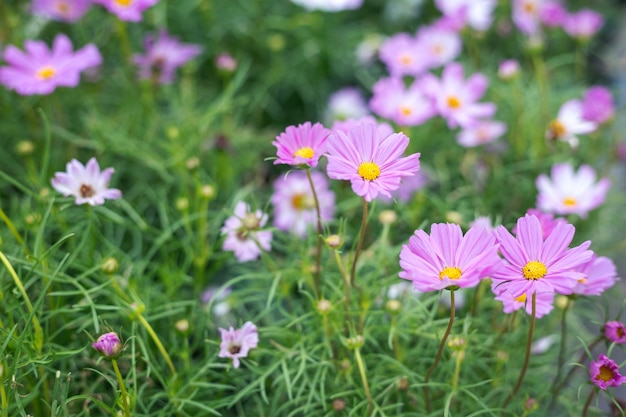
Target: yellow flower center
(405,110)
(582,281)
(534,270)
(521,298)
(556,129)
(87,191)
(123,3)
(302,202)
(47,72)
(605,374)
(63,8)
(306,153)
(406,59)
(454,102)
(451,272)
(437,49)
(569,202)
(529,7)
(369,171)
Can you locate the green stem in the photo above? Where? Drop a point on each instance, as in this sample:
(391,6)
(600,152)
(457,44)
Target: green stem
(346,289)
(359,361)
(358,247)
(588,402)
(439,352)
(3,394)
(561,358)
(120,381)
(12,229)
(157,341)
(528,348)
(318,251)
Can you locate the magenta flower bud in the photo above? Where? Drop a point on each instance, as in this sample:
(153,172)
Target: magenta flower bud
(615,331)
(108,344)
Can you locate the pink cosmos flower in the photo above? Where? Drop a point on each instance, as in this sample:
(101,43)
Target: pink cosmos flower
(64,10)
(384,129)
(543,305)
(547,220)
(163,55)
(347,103)
(407,189)
(237,343)
(508,69)
(538,265)
(526,15)
(600,274)
(301,145)
(598,106)
(403,55)
(406,107)
(447,258)
(456,99)
(108,344)
(569,123)
(294,206)
(477,14)
(40,70)
(583,24)
(438,46)
(373,165)
(86,183)
(243,234)
(129,10)
(570,192)
(615,332)
(483,132)
(605,373)
(329,5)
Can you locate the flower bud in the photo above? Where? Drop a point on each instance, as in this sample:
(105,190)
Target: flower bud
(24,148)
(324,306)
(339,404)
(387,217)
(355,342)
(108,345)
(334,241)
(207,191)
(192,163)
(182,326)
(182,203)
(109,266)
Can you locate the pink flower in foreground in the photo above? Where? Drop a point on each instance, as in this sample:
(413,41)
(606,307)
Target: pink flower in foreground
(372,164)
(583,24)
(615,332)
(64,10)
(243,234)
(301,145)
(40,70)
(294,205)
(598,106)
(108,344)
(570,192)
(538,265)
(569,123)
(404,106)
(130,10)
(600,275)
(605,373)
(447,258)
(543,305)
(456,99)
(86,183)
(237,343)
(163,55)
(483,132)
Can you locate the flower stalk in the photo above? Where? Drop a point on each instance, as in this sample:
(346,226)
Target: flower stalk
(120,381)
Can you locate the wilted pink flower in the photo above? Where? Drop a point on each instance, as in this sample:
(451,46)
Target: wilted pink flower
(583,24)
(547,220)
(598,106)
(130,10)
(384,129)
(615,332)
(543,304)
(294,206)
(404,106)
(226,62)
(477,14)
(538,265)
(569,123)
(64,10)
(108,344)
(403,55)
(605,373)
(456,99)
(329,5)
(372,165)
(508,69)
(483,132)
(438,46)
(447,258)
(86,183)
(243,232)
(163,55)
(570,192)
(41,70)
(237,343)
(600,274)
(347,103)
(301,145)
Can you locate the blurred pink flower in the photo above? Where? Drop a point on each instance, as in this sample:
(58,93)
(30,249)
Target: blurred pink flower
(583,24)
(372,164)
(163,55)
(129,10)
(438,46)
(86,183)
(226,62)
(483,132)
(64,10)
(508,69)
(570,192)
(477,14)
(329,5)
(404,106)
(237,343)
(301,145)
(615,332)
(40,70)
(108,344)
(384,129)
(600,275)
(447,258)
(346,103)
(407,189)
(569,122)
(243,234)
(605,373)
(552,14)
(403,55)
(598,106)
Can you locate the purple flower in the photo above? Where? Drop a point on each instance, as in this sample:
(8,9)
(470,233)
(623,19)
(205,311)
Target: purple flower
(163,55)
(538,265)
(243,234)
(570,192)
(447,259)
(598,106)
(615,332)
(294,206)
(108,344)
(40,70)
(301,145)
(86,183)
(583,24)
(372,164)
(483,132)
(605,373)
(456,99)
(600,274)
(237,343)
(404,106)
(347,103)
(64,10)
(127,9)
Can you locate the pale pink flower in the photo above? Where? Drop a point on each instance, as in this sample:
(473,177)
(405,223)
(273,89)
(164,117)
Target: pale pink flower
(226,62)
(403,55)
(64,10)
(236,344)
(484,222)
(598,106)
(404,106)
(477,14)
(483,132)
(600,275)
(384,129)
(508,69)
(243,233)
(569,191)
(346,103)
(438,46)
(130,10)
(569,123)
(86,183)
(583,24)
(526,15)
(329,5)
(301,145)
